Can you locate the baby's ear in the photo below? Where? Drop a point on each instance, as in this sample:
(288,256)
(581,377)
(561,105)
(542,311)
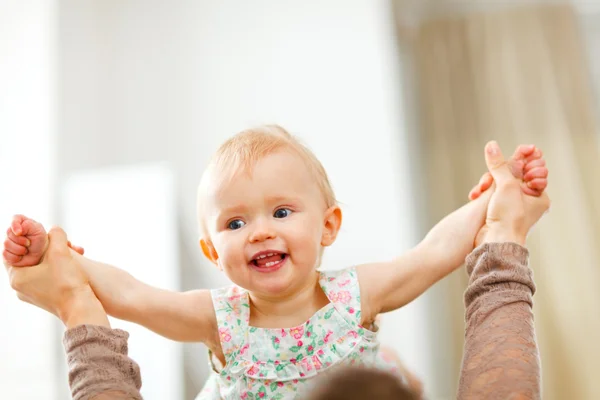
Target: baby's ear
(332,223)
(209,251)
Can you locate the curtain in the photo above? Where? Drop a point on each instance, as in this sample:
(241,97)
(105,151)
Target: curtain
(518,75)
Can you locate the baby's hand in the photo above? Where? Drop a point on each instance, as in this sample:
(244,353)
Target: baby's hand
(26,242)
(526,164)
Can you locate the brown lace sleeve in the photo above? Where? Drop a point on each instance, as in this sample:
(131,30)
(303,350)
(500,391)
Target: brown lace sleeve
(501,358)
(99,367)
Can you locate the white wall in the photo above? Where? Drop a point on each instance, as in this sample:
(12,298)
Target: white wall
(150,80)
(110,208)
(29,337)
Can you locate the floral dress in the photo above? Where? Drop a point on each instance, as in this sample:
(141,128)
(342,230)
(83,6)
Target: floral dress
(263,363)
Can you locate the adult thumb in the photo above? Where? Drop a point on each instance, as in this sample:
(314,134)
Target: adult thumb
(57,237)
(496,163)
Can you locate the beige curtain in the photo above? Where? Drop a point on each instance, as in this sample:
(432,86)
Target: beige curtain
(520,75)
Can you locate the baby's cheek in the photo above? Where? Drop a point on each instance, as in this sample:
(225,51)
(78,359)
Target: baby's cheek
(229,257)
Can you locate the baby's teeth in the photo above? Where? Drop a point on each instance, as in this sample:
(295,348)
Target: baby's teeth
(265,256)
(271,263)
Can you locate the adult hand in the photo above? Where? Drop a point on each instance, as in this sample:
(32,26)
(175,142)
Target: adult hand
(511,213)
(58,285)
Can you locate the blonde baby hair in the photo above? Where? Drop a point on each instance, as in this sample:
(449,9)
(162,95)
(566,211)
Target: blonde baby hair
(241,152)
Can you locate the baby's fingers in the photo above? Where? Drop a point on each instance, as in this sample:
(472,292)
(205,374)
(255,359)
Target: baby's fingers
(536,155)
(16,224)
(538,163)
(32,228)
(539,172)
(20,240)
(14,248)
(10,258)
(538,184)
(523,151)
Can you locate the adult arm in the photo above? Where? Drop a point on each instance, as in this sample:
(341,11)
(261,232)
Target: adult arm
(99,367)
(501,357)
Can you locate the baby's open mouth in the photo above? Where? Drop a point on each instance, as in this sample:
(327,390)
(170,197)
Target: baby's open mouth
(269,259)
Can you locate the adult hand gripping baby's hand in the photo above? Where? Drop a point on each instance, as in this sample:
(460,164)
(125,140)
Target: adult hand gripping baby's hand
(511,213)
(26,241)
(58,285)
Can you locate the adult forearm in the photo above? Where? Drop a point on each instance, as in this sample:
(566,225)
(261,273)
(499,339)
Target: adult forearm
(84,308)
(502,236)
(501,358)
(99,367)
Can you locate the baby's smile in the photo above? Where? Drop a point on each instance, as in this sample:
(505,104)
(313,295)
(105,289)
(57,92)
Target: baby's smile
(268,261)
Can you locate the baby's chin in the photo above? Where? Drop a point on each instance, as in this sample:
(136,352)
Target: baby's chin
(279,285)
(272,284)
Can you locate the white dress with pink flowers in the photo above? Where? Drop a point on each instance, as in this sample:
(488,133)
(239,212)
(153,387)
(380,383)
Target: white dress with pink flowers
(264,363)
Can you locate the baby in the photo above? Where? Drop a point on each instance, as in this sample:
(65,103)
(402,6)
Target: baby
(267,211)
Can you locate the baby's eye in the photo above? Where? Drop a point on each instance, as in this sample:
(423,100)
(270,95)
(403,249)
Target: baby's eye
(235,224)
(282,213)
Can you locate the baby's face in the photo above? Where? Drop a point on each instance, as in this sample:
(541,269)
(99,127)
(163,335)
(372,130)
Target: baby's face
(267,228)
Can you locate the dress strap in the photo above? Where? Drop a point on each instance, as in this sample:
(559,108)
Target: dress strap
(232,309)
(343,291)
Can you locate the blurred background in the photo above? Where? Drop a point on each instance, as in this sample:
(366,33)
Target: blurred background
(109,111)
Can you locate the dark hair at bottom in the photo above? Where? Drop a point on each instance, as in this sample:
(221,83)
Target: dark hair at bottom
(347,383)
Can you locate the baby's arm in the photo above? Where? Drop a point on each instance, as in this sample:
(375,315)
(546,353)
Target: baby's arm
(187,316)
(393,284)
(181,316)
(390,285)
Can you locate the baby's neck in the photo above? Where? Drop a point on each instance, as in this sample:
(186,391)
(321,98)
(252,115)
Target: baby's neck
(289,311)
